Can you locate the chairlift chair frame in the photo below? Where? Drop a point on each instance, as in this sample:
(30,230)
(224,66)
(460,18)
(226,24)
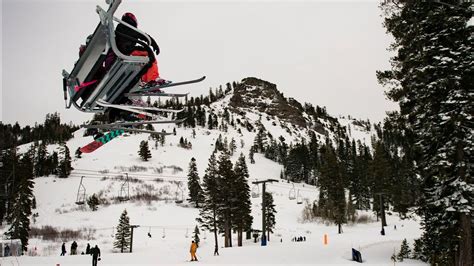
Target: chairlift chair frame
(299,199)
(81,193)
(124,75)
(255,193)
(178,199)
(124,193)
(292,193)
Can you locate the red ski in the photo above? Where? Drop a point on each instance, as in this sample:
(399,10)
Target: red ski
(97,143)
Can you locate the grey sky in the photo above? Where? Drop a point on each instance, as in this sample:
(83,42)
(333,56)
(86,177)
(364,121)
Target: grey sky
(325,53)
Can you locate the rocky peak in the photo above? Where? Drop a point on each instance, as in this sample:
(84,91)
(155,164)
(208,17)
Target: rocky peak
(263,96)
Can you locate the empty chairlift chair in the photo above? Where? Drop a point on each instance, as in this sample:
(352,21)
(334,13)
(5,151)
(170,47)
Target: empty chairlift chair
(299,199)
(81,193)
(292,193)
(179,194)
(255,191)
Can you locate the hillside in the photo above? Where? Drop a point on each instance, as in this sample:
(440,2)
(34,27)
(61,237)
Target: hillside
(157,184)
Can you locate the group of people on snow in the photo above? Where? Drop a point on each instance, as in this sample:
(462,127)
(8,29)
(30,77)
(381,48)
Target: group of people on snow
(94,252)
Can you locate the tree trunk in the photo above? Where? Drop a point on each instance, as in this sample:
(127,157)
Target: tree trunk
(239,236)
(268,235)
(215,232)
(465,245)
(226,232)
(339,227)
(384,219)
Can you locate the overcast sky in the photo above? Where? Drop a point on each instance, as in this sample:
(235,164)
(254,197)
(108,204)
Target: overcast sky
(322,52)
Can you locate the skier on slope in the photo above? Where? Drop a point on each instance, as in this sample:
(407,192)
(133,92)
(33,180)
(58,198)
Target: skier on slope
(192,250)
(95,253)
(63,249)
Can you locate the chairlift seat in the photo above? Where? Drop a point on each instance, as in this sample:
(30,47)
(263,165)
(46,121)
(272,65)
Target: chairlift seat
(121,77)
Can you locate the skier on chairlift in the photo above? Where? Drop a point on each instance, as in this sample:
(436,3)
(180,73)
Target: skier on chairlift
(128,46)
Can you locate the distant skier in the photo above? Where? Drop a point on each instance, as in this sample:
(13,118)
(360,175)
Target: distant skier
(192,250)
(6,251)
(88,249)
(74,248)
(95,253)
(63,249)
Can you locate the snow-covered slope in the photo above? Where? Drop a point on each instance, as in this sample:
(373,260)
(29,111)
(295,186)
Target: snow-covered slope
(171,224)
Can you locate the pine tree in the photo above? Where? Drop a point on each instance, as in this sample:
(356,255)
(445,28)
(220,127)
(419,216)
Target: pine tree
(243,206)
(194,186)
(40,160)
(404,251)
(251,153)
(269,213)
(19,216)
(64,167)
(144,151)
(232,146)
(332,199)
(196,235)
(209,207)
(431,79)
(227,195)
(93,202)
(122,236)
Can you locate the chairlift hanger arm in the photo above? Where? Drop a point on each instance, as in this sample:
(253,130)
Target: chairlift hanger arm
(107,19)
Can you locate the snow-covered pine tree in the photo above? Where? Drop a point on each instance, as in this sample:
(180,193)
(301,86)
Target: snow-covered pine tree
(208,209)
(243,206)
(270,211)
(404,251)
(232,146)
(64,167)
(332,200)
(19,216)
(40,160)
(381,177)
(144,151)
(122,236)
(227,195)
(194,186)
(251,154)
(196,235)
(431,79)
(93,202)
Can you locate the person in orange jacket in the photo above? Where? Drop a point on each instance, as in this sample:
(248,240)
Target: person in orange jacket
(193,251)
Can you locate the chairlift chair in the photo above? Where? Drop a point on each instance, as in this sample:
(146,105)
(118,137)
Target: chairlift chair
(255,191)
(179,191)
(292,193)
(81,193)
(124,193)
(299,199)
(124,75)
(121,79)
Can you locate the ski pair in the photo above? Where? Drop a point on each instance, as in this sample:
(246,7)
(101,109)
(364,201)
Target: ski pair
(99,142)
(156,90)
(116,131)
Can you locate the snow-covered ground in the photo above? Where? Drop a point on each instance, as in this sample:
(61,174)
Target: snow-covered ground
(171,225)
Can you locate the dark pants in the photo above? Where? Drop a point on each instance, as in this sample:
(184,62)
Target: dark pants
(94,261)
